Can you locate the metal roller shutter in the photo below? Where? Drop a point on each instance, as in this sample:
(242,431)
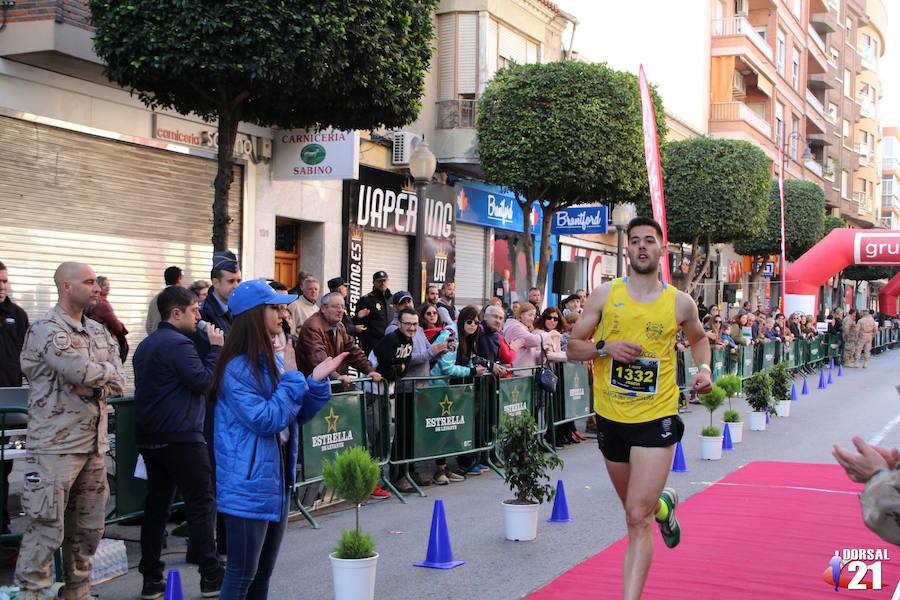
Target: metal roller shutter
(386,252)
(470,258)
(129,211)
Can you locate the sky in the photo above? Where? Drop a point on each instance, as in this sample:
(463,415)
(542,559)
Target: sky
(607,32)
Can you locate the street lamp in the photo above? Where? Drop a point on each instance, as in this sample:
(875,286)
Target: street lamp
(622,214)
(422,164)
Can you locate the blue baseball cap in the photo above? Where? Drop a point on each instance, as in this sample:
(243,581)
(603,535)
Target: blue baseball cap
(251,294)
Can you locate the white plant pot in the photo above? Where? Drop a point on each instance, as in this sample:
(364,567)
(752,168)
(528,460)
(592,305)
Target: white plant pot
(737,431)
(711,447)
(354,578)
(757,421)
(521,521)
(783,408)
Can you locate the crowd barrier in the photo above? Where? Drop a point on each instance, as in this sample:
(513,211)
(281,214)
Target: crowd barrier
(432,418)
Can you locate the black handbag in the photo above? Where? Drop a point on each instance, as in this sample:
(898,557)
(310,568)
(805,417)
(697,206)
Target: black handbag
(547,378)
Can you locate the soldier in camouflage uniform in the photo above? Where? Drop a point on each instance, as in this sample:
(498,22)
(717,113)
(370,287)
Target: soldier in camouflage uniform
(866,328)
(72,364)
(851,335)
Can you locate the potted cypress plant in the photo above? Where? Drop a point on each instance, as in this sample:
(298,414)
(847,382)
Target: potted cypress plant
(781,389)
(353,475)
(731,384)
(711,436)
(526,472)
(758,390)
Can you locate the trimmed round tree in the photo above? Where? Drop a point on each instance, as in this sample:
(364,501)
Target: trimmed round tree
(564,133)
(804,225)
(287,63)
(716,192)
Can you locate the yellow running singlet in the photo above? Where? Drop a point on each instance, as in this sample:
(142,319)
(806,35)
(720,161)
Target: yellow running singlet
(646,389)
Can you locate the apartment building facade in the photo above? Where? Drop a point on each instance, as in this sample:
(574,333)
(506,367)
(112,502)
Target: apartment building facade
(890,178)
(802,75)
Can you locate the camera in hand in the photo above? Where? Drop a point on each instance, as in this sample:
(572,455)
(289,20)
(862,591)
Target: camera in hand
(478,361)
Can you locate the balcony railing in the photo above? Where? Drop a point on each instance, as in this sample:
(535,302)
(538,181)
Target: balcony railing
(738,111)
(864,201)
(814,167)
(866,106)
(815,102)
(890,164)
(816,38)
(741,26)
(457,114)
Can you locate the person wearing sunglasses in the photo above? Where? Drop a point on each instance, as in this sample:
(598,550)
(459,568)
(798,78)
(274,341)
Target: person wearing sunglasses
(456,364)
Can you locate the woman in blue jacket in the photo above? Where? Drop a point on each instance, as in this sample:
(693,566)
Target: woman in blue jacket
(260,402)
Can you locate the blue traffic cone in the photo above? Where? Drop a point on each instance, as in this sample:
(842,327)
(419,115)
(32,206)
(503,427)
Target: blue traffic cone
(822,385)
(173,586)
(830,378)
(805,391)
(840,370)
(439,554)
(726,438)
(794,391)
(678,465)
(831,364)
(560,508)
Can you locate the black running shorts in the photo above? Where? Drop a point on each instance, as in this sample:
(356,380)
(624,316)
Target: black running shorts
(616,439)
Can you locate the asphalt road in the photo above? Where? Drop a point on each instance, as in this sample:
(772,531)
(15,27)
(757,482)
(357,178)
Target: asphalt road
(862,402)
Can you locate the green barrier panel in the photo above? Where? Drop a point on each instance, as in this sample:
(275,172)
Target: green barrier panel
(895,335)
(338,426)
(748,361)
(800,347)
(789,354)
(768,355)
(718,362)
(576,386)
(516,395)
(690,367)
(816,351)
(130,492)
(833,343)
(443,420)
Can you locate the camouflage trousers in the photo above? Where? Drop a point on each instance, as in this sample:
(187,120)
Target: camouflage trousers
(864,348)
(851,350)
(65,499)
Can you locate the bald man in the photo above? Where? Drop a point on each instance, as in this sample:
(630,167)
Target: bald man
(72,364)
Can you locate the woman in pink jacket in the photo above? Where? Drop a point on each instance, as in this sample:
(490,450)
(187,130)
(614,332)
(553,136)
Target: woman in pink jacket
(521,327)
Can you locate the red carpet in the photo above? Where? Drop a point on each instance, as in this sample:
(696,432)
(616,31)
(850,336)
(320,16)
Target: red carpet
(748,536)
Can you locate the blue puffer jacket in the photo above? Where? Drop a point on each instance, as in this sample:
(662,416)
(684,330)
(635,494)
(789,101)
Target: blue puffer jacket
(250,478)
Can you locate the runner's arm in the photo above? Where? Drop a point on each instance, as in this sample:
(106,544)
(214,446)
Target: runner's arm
(581,342)
(689,321)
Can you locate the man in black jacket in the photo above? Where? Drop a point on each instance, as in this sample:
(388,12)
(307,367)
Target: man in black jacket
(13,326)
(393,352)
(374,312)
(170,407)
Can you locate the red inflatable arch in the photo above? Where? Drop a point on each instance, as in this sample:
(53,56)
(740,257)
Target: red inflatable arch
(841,248)
(887,297)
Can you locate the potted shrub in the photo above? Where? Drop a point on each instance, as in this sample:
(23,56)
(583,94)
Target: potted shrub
(526,472)
(353,475)
(732,386)
(781,389)
(711,436)
(758,391)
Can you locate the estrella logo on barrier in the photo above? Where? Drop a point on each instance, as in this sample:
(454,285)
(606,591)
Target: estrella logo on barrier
(332,439)
(447,421)
(849,567)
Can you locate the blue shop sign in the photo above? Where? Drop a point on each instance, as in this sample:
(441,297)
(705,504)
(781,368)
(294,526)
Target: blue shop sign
(491,206)
(580,219)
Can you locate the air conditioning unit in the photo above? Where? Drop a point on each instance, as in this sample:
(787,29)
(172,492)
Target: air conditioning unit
(738,88)
(404,144)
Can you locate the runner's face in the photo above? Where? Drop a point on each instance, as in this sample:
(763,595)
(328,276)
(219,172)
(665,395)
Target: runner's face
(644,250)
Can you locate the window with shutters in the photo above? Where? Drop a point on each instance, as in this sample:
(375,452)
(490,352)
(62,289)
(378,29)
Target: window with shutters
(457,65)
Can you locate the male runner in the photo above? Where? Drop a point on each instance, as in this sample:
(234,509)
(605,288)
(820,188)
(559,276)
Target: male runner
(635,390)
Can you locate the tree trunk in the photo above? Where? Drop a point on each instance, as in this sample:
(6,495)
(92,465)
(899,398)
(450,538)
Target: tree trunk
(229,117)
(757,265)
(544,266)
(694,275)
(527,242)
